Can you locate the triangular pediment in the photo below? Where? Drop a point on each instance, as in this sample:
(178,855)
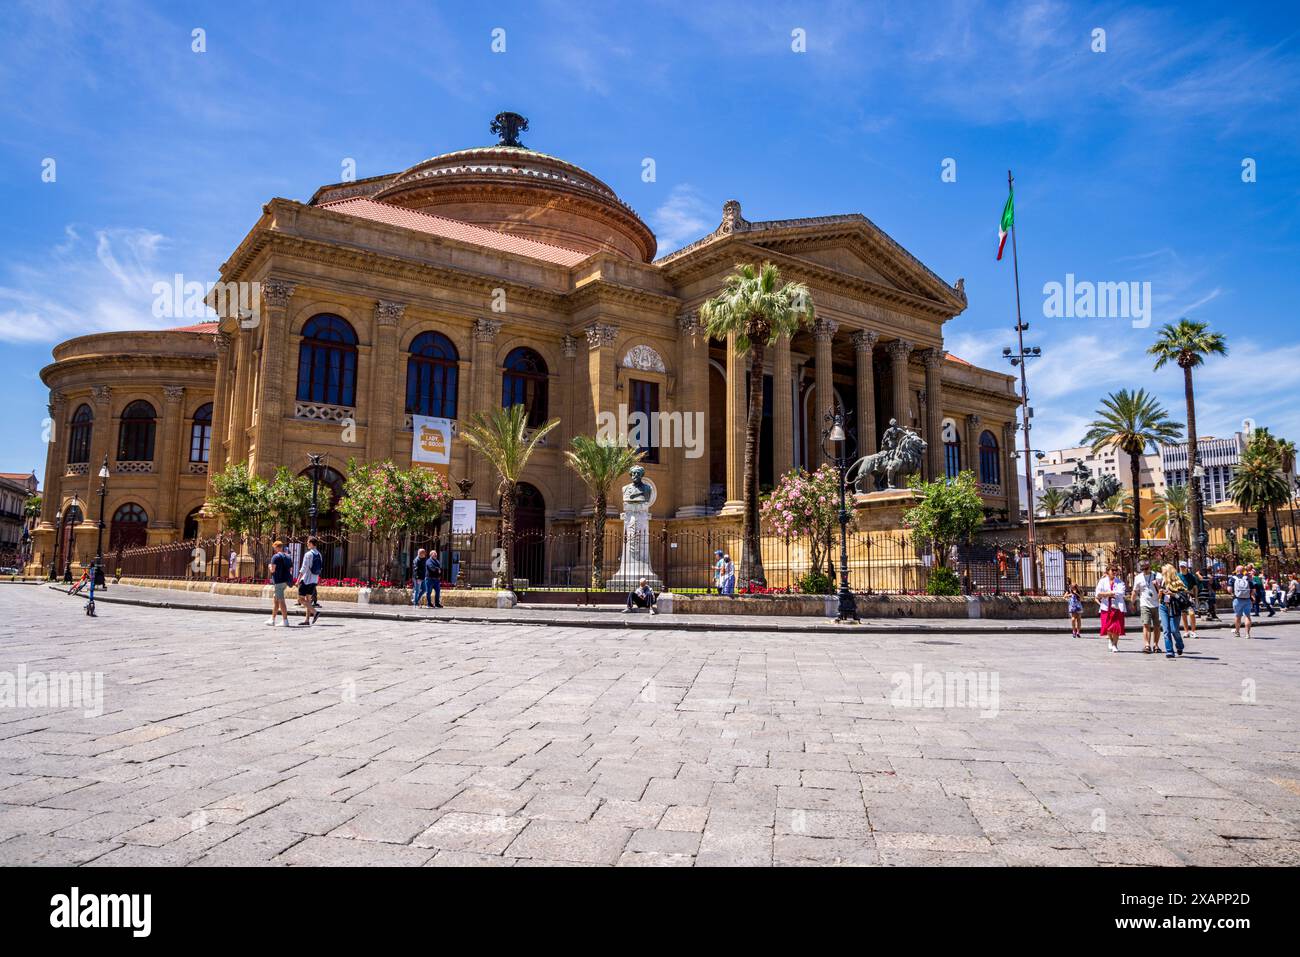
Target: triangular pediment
(845,259)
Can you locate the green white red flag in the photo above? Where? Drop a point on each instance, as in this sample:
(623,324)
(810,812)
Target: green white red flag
(1008,220)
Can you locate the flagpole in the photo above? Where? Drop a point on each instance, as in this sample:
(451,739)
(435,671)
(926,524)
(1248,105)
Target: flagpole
(1024,399)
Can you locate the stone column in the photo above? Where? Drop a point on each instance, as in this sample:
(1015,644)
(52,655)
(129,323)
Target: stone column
(571,490)
(693,403)
(167,460)
(483,382)
(102,442)
(783,411)
(1010,478)
(383,415)
(899,350)
(933,359)
(272,402)
(737,409)
(971,457)
(823,331)
(56,454)
(241,404)
(220,409)
(864,344)
(600,367)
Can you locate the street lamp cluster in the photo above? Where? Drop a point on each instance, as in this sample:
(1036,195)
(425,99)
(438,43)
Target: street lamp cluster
(835,443)
(1019,357)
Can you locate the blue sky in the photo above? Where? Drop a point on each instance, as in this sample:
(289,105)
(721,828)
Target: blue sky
(1128,162)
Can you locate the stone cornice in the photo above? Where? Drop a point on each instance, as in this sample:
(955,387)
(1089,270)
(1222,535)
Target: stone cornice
(779,233)
(727,251)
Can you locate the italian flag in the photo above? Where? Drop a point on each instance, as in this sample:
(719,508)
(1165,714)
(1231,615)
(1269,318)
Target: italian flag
(1008,219)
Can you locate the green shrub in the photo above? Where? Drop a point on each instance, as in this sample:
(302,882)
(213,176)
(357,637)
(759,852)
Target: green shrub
(815,583)
(943,581)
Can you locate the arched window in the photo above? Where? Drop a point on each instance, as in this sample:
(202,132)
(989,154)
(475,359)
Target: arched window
(431,376)
(130,524)
(191,530)
(83,423)
(329,489)
(524,382)
(136,433)
(201,433)
(952,457)
(327,362)
(990,459)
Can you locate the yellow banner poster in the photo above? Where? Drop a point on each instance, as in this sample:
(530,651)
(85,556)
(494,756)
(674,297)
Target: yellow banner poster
(431,443)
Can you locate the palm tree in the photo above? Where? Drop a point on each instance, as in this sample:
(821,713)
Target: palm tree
(1287,452)
(502,436)
(1257,484)
(1187,343)
(757,308)
(1121,503)
(1176,504)
(599,463)
(1052,500)
(1130,422)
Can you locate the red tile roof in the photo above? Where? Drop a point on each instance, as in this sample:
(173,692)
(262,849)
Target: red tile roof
(455,229)
(953,358)
(197,327)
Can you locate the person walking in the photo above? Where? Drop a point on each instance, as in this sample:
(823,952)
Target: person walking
(718,565)
(1075,608)
(1110,599)
(433,579)
(643,596)
(1174,599)
(728,576)
(1146,589)
(417,577)
(1240,586)
(281,569)
(308,576)
(1193,586)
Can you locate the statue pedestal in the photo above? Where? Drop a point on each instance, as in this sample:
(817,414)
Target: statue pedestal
(635,562)
(883,511)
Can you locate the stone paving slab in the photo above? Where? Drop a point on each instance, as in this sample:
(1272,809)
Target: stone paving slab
(217,741)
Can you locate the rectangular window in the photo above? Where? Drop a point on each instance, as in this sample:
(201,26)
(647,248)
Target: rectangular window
(645,399)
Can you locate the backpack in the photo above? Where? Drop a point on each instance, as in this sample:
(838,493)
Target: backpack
(1182,601)
(1241,587)
(317,563)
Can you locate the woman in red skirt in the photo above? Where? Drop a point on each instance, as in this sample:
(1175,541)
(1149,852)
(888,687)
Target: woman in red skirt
(1110,598)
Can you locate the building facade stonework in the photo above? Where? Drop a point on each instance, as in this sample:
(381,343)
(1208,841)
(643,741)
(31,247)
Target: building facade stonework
(498,275)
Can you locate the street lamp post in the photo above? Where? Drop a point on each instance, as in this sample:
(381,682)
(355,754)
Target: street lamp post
(99,541)
(1020,357)
(58,539)
(834,435)
(315,458)
(74,509)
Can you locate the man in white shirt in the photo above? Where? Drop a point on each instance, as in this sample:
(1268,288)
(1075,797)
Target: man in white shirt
(1146,586)
(308,576)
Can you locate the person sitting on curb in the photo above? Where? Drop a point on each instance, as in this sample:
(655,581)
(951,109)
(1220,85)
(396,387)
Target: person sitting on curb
(642,597)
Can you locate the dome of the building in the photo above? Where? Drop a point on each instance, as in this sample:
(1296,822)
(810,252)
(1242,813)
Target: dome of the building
(518,190)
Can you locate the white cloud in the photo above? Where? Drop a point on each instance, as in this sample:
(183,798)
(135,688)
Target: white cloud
(83,286)
(683,218)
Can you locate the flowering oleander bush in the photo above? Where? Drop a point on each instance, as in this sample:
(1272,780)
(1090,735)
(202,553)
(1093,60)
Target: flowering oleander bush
(804,504)
(385,501)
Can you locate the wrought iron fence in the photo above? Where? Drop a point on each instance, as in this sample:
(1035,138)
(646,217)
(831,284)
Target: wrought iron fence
(552,566)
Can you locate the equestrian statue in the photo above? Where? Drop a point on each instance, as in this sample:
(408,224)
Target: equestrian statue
(901,452)
(1097,489)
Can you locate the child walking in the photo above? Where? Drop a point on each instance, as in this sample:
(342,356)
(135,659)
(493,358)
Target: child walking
(1076,611)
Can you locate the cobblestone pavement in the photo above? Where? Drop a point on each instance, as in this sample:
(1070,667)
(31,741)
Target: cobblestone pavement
(223,741)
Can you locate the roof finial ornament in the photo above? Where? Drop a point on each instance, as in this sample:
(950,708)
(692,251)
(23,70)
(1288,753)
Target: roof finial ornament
(732,221)
(508,126)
